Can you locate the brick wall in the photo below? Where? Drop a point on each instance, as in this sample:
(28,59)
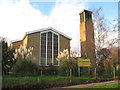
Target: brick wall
(90,42)
(87,41)
(34,41)
(16,44)
(64,43)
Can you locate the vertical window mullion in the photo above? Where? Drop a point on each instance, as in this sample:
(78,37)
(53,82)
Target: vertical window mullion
(46,47)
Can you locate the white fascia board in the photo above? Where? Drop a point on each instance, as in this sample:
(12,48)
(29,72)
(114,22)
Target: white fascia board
(46,29)
(15,40)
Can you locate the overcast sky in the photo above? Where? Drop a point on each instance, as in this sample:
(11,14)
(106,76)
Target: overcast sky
(20,16)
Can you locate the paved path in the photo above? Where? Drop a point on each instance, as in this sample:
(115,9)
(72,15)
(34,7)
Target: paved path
(92,84)
(84,85)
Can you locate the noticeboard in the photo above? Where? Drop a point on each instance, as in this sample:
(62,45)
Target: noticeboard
(83,62)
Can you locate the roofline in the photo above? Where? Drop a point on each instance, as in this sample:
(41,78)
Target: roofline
(84,11)
(49,28)
(24,37)
(17,40)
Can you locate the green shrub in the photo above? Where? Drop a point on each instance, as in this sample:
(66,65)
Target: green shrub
(107,76)
(50,72)
(118,72)
(24,67)
(64,68)
(100,71)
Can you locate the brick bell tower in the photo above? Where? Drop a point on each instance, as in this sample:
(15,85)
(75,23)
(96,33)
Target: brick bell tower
(87,36)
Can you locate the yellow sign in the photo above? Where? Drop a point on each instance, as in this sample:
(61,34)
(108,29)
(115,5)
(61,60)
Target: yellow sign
(84,62)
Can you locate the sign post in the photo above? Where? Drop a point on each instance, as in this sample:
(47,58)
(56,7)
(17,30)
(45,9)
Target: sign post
(78,71)
(83,63)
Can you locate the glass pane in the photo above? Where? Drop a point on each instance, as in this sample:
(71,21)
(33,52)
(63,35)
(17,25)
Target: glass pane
(49,48)
(49,62)
(43,61)
(43,49)
(55,49)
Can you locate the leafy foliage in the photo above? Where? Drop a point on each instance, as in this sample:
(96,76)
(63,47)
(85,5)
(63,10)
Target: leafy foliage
(67,65)
(24,67)
(7,57)
(67,62)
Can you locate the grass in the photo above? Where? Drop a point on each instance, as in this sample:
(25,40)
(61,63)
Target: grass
(114,85)
(18,80)
(48,81)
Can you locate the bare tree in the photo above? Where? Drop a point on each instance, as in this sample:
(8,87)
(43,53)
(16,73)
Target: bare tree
(100,32)
(102,28)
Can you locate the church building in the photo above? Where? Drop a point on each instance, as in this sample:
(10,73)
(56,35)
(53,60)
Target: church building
(46,43)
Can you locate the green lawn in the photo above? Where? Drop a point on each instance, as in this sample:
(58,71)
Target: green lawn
(114,85)
(8,79)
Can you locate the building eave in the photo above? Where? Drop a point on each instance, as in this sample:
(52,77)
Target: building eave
(13,41)
(46,29)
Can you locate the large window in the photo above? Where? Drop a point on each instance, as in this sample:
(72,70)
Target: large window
(49,48)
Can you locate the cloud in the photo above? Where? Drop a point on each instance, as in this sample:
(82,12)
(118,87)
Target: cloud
(65,17)
(18,17)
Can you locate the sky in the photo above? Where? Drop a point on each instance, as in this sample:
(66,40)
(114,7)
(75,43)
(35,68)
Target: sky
(20,16)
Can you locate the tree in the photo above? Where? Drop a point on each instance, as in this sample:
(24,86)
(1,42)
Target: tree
(101,34)
(67,62)
(7,57)
(114,56)
(24,66)
(112,60)
(102,29)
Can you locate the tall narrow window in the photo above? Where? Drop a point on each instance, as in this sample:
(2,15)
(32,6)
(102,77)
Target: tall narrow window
(49,49)
(55,49)
(43,48)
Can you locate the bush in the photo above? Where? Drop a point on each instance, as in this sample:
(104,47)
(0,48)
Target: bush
(107,76)
(64,69)
(118,72)
(24,67)
(50,72)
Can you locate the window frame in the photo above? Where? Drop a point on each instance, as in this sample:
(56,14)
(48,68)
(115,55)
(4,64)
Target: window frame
(52,47)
